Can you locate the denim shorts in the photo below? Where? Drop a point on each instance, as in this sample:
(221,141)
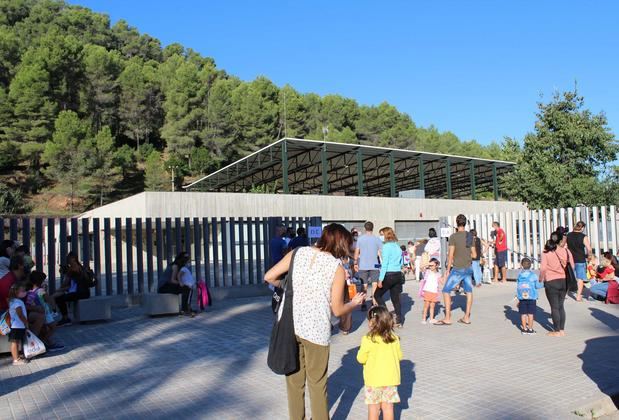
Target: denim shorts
(477,274)
(527,306)
(456,275)
(580,269)
(501,259)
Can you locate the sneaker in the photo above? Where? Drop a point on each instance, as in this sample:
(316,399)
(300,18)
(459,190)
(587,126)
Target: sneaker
(64,322)
(423,321)
(524,332)
(532,331)
(21,362)
(433,321)
(55,347)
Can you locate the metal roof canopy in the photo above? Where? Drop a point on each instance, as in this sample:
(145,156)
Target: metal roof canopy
(298,166)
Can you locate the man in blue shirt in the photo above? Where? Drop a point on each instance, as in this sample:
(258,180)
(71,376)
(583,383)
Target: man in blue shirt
(367,258)
(277,245)
(300,240)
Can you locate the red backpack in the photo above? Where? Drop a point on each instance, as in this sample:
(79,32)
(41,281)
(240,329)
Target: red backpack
(612,296)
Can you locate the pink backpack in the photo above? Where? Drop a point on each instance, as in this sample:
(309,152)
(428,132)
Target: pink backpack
(203,295)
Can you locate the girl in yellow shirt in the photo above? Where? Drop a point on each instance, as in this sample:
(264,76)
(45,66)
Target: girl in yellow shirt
(380,355)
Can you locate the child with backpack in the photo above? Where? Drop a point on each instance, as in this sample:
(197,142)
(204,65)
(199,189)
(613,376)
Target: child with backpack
(19,321)
(380,354)
(37,299)
(526,288)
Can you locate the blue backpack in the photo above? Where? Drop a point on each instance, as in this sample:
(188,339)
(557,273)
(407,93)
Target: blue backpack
(527,286)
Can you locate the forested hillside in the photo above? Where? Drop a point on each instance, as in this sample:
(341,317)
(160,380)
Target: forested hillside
(90,112)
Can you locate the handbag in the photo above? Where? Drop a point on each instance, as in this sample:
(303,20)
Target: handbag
(283,355)
(32,345)
(570,277)
(5,323)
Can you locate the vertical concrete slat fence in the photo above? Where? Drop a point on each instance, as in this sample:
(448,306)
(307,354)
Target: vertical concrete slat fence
(129,255)
(527,231)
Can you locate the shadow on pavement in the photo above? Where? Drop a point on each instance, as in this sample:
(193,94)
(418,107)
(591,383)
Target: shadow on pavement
(407,371)
(15,383)
(541,317)
(344,385)
(599,358)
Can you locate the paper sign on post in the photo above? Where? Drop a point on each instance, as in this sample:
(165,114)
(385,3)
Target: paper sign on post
(315,232)
(445,232)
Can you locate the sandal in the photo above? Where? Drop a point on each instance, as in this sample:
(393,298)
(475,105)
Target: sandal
(462,321)
(441,322)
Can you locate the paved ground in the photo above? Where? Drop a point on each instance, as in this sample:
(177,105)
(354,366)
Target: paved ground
(214,366)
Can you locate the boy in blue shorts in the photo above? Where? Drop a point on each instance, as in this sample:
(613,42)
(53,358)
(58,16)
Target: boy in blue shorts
(526,288)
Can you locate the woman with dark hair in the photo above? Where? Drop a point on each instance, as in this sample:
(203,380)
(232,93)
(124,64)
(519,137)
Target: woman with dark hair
(318,281)
(391,277)
(75,286)
(7,248)
(555,258)
(433,246)
(178,280)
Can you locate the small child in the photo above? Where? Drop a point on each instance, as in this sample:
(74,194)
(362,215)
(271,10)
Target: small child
(526,287)
(380,355)
(38,299)
(406,259)
(19,321)
(187,282)
(592,265)
(429,289)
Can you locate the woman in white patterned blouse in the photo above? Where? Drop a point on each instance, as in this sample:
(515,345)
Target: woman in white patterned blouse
(318,281)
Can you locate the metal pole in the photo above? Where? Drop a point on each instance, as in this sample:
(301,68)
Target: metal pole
(325,169)
(472,170)
(495,185)
(422,180)
(359,173)
(391,174)
(448,176)
(285,167)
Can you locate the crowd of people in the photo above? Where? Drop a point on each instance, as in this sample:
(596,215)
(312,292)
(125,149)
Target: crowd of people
(24,296)
(324,273)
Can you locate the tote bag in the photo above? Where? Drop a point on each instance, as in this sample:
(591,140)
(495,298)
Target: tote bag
(570,277)
(283,356)
(32,345)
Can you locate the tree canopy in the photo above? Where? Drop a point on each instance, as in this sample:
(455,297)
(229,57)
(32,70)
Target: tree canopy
(116,102)
(567,161)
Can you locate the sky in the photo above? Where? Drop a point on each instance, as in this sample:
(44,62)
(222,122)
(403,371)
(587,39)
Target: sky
(475,68)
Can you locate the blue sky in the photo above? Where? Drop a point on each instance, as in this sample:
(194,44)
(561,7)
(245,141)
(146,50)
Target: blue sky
(476,68)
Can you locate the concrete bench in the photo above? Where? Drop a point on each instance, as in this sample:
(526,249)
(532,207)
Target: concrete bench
(4,344)
(161,304)
(97,308)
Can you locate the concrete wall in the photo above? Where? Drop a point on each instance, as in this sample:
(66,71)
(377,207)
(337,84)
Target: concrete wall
(383,211)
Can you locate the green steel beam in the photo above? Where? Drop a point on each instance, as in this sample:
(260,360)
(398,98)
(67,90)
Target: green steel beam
(448,177)
(422,176)
(325,169)
(359,173)
(473,192)
(391,175)
(285,167)
(495,184)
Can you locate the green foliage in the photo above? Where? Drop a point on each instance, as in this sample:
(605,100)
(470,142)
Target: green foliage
(563,162)
(12,201)
(65,154)
(156,178)
(8,156)
(71,85)
(124,158)
(103,171)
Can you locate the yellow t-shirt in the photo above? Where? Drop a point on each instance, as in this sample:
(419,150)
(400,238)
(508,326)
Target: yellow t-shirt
(380,360)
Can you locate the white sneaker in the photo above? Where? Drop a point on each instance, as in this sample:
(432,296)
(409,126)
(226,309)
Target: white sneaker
(423,321)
